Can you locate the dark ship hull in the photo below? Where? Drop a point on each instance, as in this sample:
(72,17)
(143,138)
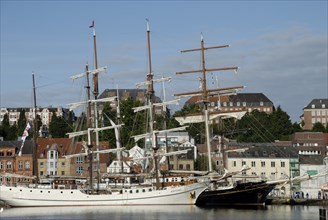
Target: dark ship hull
(247,193)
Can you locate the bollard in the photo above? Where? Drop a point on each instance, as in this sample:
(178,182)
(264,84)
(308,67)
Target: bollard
(322,214)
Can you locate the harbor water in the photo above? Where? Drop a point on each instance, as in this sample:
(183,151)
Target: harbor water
(177,212)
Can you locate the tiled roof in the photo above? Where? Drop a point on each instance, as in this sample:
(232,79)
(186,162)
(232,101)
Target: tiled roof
(27,149)
(240,97)
(318,104)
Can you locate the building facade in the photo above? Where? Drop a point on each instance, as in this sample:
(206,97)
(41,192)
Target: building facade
(315,111)
(312,147)
(267,162)
(21,167)
(238,102)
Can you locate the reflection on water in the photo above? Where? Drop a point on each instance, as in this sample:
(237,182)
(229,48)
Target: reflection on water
(182,212)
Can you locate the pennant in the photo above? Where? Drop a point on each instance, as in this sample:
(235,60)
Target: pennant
(92,25)
(25,134)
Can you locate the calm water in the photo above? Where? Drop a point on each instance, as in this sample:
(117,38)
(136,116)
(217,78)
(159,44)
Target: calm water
(163,213)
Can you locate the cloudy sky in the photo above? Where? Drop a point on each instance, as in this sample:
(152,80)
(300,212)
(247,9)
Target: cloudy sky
(280,47)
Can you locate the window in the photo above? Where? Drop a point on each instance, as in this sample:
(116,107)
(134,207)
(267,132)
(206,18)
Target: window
(253,164)
(234,163)
(273,164)
(20,165)
(1,165)
(41,164)
(180,166)
(63,173)
(79,170)
(79,160)
(244,103)
(2,153)
(282,164)
(9,153)
(261,103)
(188,166)
(262,163)
(243,163)
(9,165)
(63,164)
(27,165)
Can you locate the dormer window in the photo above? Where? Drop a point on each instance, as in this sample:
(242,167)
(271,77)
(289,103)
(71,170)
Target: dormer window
(261,103)
(323,106)
(313,106)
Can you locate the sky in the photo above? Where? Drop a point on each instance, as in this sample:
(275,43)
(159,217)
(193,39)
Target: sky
(280,47)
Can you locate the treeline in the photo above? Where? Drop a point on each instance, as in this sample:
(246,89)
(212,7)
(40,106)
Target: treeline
(253,127)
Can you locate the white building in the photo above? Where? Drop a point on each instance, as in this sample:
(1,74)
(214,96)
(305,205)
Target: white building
(267,163)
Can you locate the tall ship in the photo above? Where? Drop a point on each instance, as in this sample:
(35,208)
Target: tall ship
(222,190)
(182,194)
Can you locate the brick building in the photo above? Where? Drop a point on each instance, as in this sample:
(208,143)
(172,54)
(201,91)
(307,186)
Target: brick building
(315,111)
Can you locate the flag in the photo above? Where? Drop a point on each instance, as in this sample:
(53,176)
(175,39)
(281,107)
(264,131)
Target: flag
(92,25)
(25,134)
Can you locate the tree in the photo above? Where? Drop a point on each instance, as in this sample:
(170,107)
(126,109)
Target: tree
(59,127)
(257,123)
(12,134)
(5,126)
(297,127)
(281,125)
(21,124)
(318,127)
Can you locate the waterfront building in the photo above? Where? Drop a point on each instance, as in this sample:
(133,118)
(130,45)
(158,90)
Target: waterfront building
(11,163)
(266,161)
(312,146)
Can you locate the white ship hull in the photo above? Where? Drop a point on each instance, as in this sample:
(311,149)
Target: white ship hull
(31,197)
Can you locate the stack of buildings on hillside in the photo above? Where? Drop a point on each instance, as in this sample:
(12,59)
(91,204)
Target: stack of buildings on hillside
(306,153)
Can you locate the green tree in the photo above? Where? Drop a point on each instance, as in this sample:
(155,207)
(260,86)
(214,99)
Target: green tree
(59,126)
(297,127)
(21,124)
(256,123)
(12,134)
(5,126)
(134,122)
(281,125)
(318,127)
(104,121)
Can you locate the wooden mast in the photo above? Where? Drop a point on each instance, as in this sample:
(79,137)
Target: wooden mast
(35,124)
(150,100)
(205,92)
(96,93)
